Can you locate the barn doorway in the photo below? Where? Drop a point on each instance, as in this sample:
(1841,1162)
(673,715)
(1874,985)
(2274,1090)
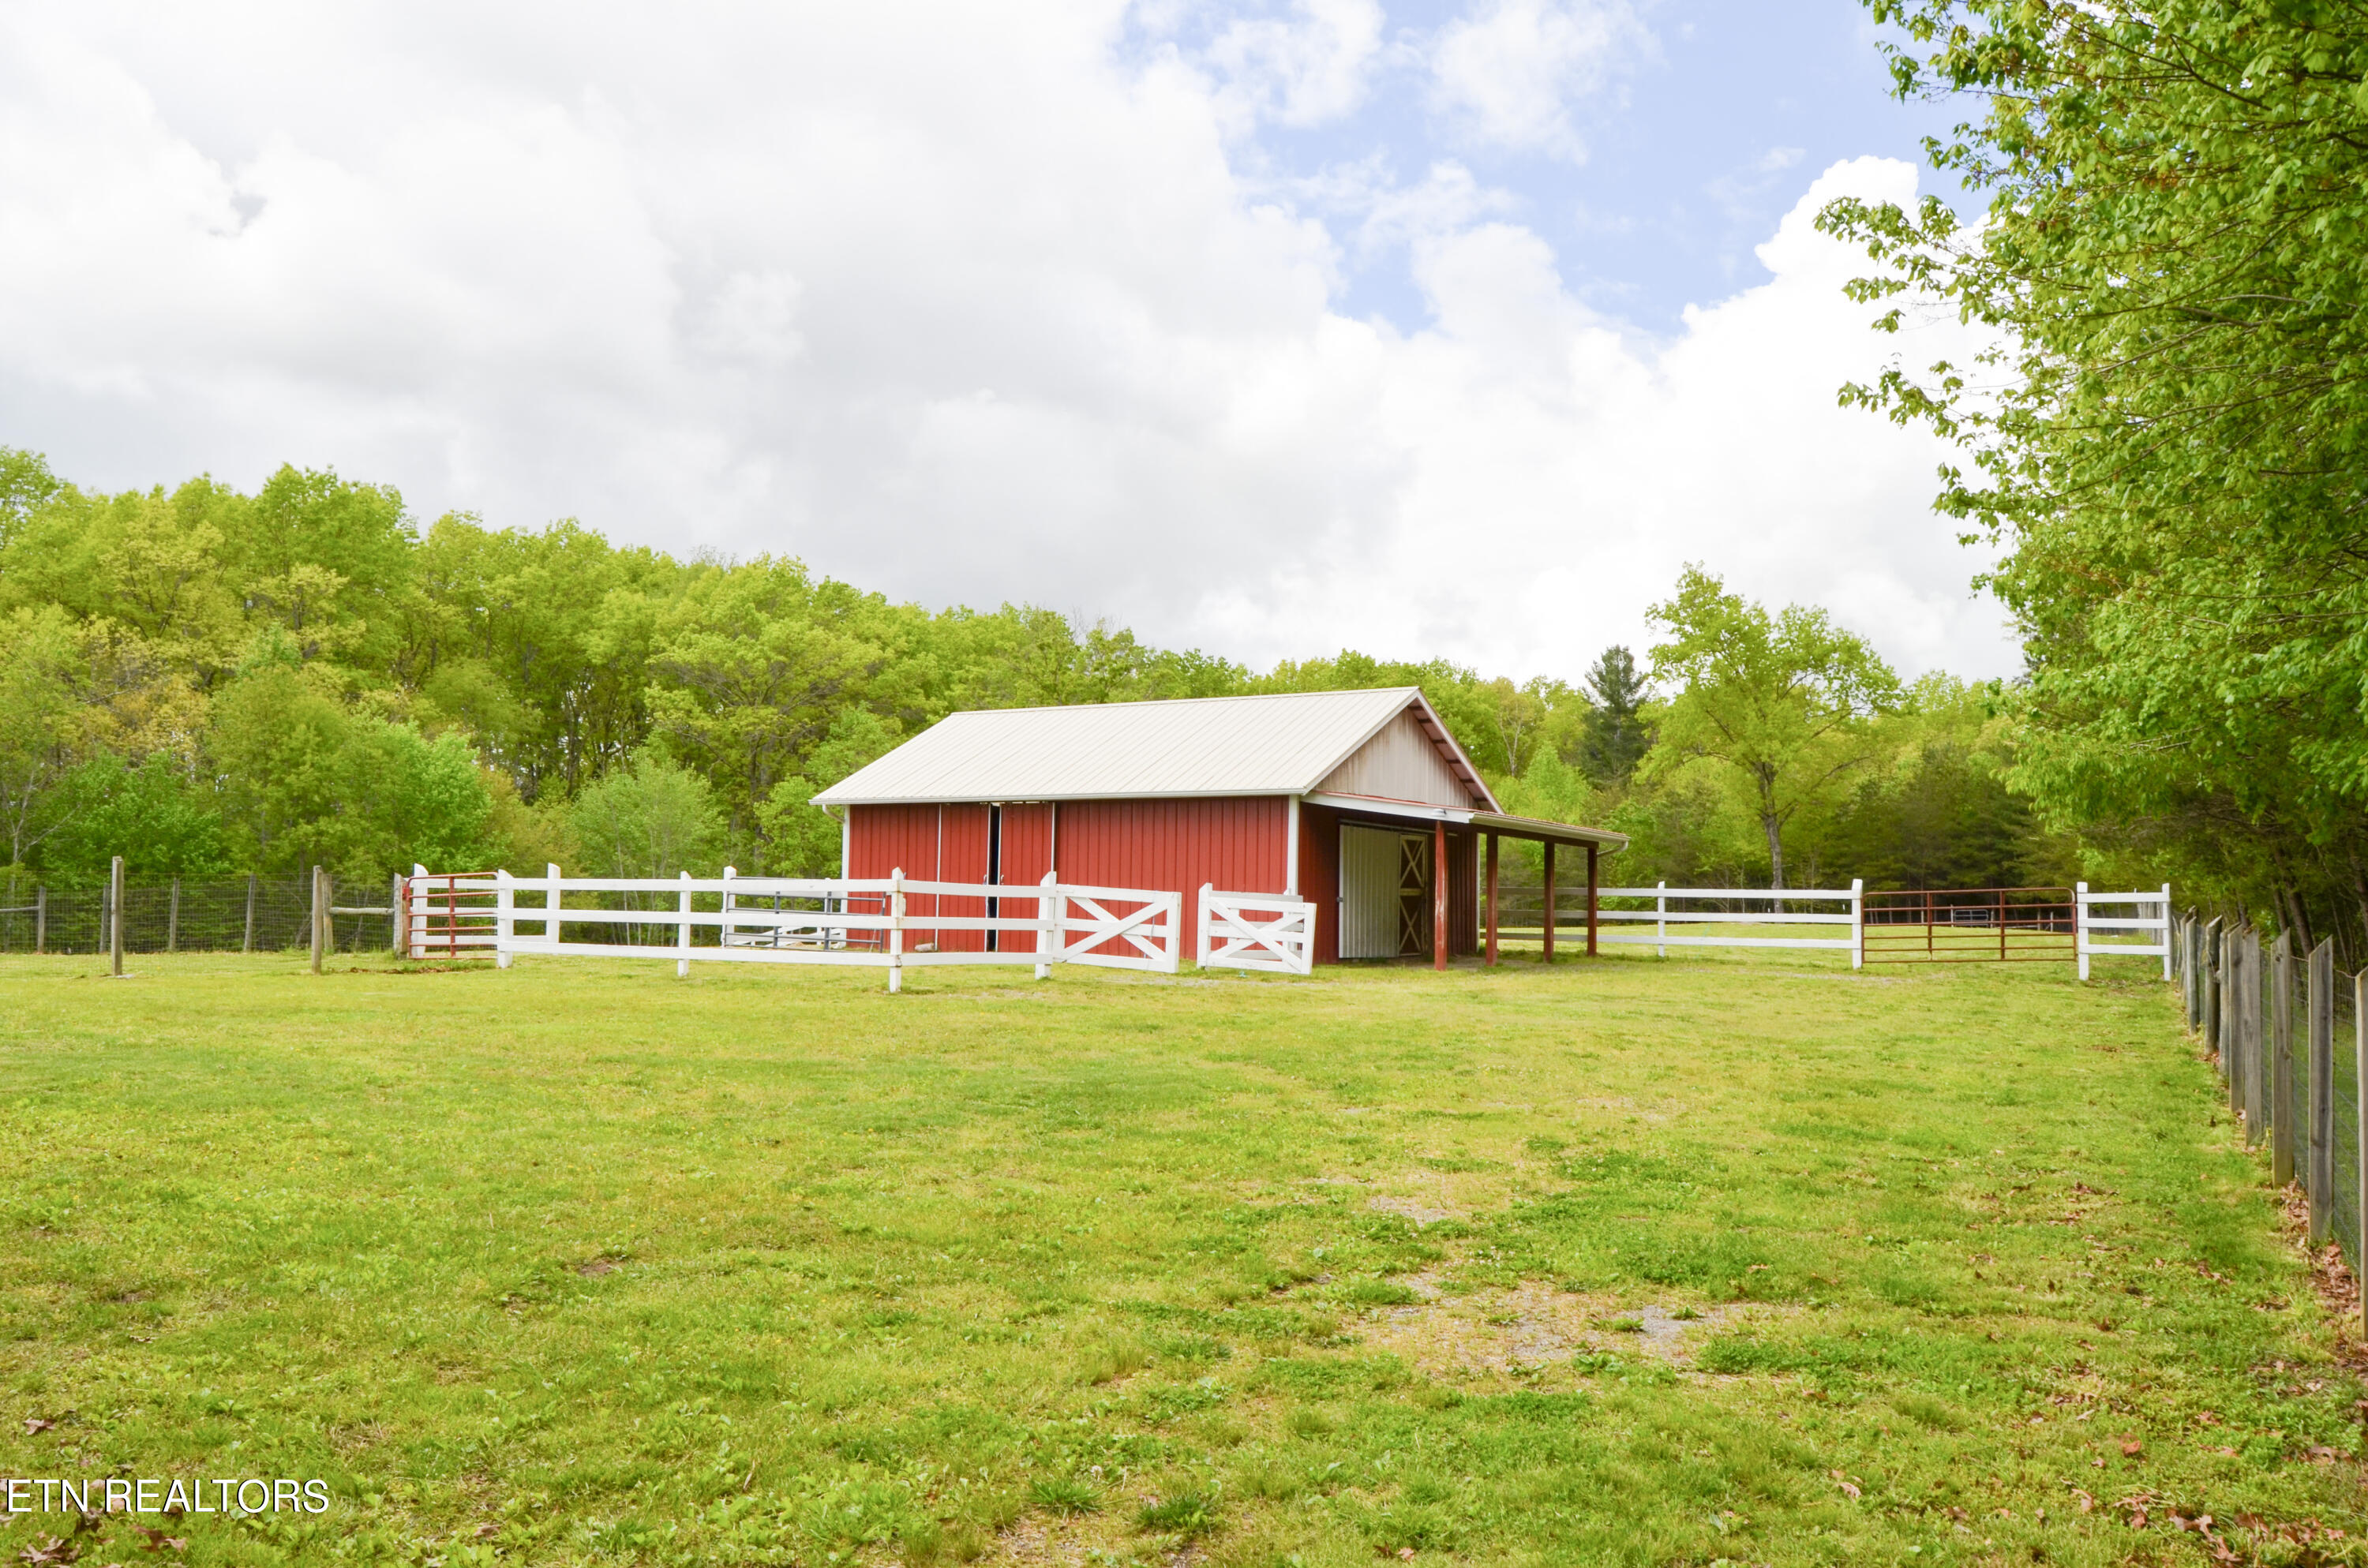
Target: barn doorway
(1386,900)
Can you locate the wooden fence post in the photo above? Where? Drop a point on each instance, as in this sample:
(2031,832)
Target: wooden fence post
(1048,936)
(682,931)
(1661,919)
(2165,931)
(895,930)
(319,903)
(2281,1075)
(41,919)
(115,918)
(2322,1089)
(394,914)
(2079,927)
(2231,1039)
(1857,922)
(1201,938)
(2360,1145)
(246,942)
(2248,1027)
(505,917)
(2212,990)
(173,919)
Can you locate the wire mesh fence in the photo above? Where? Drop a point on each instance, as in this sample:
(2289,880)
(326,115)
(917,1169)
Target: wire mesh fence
(2284,1028)
(239,915)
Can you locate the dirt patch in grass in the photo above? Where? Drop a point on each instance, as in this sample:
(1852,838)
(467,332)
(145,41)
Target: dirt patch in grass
(1534,1324)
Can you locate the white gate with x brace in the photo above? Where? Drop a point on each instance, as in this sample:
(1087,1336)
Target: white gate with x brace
(1262,931)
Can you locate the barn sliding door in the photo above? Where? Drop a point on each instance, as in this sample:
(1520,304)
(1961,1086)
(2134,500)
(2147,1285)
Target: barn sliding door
(1384,892)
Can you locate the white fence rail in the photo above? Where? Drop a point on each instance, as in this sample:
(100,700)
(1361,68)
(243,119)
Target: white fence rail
(1270,932)
(1663,917)
(2084,902)
(848,921)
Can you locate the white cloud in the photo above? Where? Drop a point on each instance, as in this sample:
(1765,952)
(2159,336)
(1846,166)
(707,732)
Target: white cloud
(951,301)
(1508,73)
(1311,67)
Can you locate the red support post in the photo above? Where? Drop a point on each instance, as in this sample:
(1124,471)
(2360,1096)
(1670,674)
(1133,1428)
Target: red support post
(1438,897)
(1491,958)
(1548,956)
(1591,901)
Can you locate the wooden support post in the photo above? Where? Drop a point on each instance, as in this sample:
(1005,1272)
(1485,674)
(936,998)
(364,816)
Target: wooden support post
(1547,956)
(320,902)
(2248,1030)
(1489,958)
(42,918)
(115,918)
(2322,1090)
(246,942)
(1593,903)
(173,919)
(1439,896)
(394,914)
(2281,1072)
(2360,1109)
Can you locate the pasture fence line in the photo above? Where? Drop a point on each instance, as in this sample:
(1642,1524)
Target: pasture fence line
(2288,1032)
(217,914)
(1661,895)
(844,921)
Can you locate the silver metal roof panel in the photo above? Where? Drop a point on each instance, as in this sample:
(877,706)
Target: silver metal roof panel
(1283,743)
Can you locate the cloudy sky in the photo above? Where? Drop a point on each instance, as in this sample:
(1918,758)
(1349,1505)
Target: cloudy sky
(1452,327)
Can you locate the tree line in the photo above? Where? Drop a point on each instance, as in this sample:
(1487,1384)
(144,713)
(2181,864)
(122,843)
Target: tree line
(210,682)
(2168,436)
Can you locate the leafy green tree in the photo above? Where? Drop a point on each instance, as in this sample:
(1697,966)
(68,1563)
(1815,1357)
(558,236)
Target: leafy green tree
(2166,438)
(26,482)
(1782,702)
(801,840)
(154,815)
(649,818)
(1614,738)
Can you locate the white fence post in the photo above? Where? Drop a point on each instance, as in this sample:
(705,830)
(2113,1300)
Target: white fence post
(1857,923)
(895,930)
(415,918)
(504,923)
(1201,945)
(2166,969)
(1174,904)
(1661,919)
(1048,926)
(682,931)
(2080,924)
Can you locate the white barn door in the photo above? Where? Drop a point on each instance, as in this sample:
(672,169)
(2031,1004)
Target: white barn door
(1369,892)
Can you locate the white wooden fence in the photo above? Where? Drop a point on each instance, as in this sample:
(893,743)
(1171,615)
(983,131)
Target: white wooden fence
(2083,901)
(1271,932)
(848,921)
(1663,917)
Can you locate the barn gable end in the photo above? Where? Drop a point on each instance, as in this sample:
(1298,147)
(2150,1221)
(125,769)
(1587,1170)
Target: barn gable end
(1401,762)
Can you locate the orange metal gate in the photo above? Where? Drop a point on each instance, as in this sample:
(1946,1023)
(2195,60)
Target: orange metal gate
(1971,926)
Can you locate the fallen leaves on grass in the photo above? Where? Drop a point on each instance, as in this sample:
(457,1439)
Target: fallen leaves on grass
(35,1423)
(49,1553)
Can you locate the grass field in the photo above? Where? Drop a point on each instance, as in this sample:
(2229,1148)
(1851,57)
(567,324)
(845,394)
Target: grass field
(1724,1258)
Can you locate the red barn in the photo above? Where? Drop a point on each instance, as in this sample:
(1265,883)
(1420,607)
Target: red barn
(1359,802)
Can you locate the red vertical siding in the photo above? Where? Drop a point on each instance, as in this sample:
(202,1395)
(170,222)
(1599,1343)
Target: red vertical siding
(1236,843)
(1319,875)
(1025,855)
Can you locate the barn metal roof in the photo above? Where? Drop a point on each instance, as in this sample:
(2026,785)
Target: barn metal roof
(1283,743)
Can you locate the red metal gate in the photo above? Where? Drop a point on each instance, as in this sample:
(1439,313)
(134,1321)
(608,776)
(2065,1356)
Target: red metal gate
(1971,926)
(448,914)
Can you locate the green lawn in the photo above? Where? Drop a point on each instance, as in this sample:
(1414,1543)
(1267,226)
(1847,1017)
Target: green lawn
(1726,1258)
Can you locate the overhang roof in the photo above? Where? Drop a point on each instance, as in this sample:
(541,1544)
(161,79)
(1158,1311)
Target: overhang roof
(1536,828)
(1280,744)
